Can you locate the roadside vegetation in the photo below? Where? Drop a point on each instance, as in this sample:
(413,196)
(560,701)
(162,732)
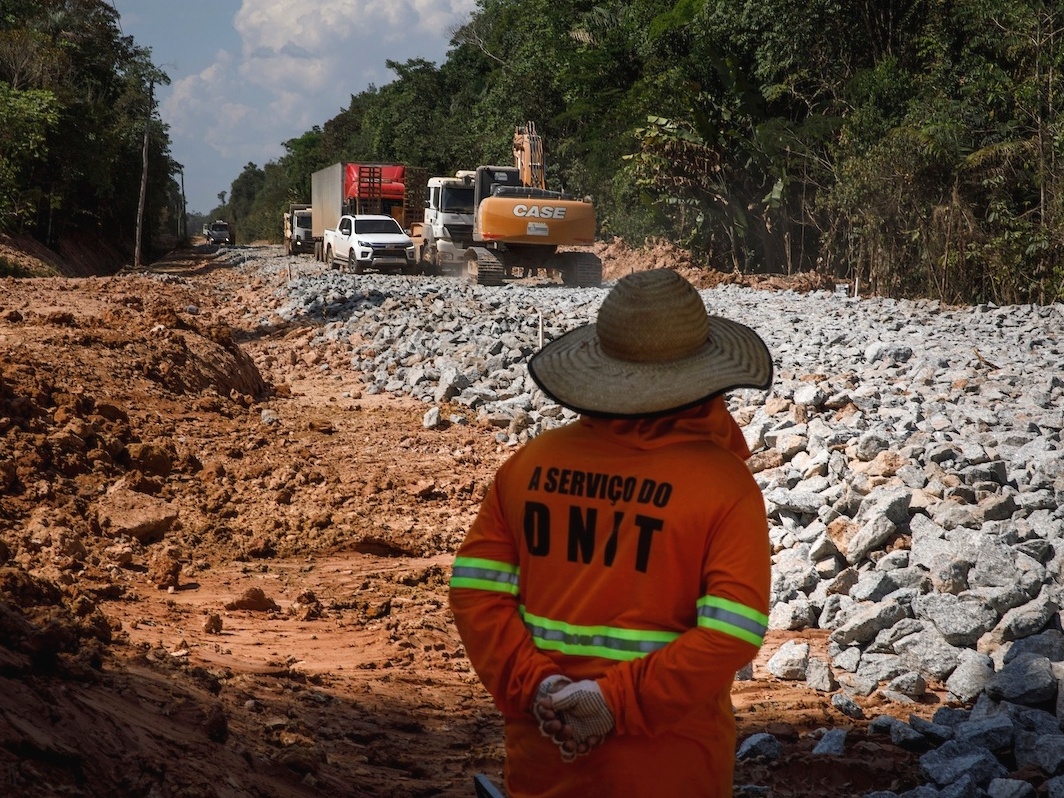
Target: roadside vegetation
(910,147)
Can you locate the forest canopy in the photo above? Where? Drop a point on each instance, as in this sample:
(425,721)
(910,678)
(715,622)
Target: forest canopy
(911,147)
(75,99)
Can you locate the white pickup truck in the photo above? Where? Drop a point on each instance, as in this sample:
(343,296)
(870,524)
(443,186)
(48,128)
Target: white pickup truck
(369,242)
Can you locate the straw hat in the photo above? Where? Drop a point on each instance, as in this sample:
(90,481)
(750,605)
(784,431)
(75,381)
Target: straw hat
(653,349)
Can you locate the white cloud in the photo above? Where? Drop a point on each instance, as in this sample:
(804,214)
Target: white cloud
(297,66)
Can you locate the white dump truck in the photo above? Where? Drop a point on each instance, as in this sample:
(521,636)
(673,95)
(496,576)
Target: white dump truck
(298,231)
(447,231)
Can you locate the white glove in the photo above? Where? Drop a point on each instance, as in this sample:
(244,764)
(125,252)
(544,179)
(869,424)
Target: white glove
(583,709)
(548,686)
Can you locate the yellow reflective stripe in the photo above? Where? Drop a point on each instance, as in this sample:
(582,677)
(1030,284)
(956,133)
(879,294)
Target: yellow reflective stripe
(609,642)
(479,574)
(732,618)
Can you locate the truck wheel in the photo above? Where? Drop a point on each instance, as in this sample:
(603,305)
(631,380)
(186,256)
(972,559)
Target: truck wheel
(429,259)
(329,258)
(353,264)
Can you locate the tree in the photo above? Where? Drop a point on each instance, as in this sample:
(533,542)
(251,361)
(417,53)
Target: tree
(25,118)
(242,194)
(93,94)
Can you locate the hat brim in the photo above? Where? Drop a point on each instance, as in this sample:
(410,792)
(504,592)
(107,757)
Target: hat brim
(575,372)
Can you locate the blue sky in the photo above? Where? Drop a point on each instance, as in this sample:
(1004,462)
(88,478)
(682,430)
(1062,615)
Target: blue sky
(247,75)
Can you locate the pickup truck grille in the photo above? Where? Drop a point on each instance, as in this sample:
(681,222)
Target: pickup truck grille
(388,251)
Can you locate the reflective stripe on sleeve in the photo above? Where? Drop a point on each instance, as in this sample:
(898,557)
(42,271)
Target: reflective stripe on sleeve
(608,642)
(732,618)
(478,574)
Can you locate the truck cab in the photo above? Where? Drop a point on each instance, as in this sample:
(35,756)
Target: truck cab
(369,241)
(298,230)
(448,227)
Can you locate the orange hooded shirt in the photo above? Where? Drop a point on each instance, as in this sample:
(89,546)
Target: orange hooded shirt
(634,553)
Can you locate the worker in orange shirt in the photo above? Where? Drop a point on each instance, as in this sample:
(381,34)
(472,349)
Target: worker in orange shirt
(617,574)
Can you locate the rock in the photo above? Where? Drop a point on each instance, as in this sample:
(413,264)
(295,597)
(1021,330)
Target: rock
(1009,788)
(971,676)
(123,512)
(164,568)
(254,600)
(790,661)
(961,620)
(847,706)
(929,653)
(833,743)
(1049,644)
(936,733)
(911,684)
(995,733)
(760,745)
(1027,679)
(905,736)
(868,537)
(1026,620)
(867,622)
(818,676)
(953,760)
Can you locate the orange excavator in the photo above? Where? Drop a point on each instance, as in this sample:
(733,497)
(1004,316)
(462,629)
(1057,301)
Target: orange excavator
(520,227)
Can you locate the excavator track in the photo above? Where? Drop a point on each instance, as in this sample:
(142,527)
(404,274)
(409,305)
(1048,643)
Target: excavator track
(581,269)
(483,267)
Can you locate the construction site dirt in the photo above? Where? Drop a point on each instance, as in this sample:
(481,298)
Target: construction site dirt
(196,603)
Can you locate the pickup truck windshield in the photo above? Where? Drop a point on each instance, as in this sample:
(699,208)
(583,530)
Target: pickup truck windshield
(457,200)
(219,227)
(377,226)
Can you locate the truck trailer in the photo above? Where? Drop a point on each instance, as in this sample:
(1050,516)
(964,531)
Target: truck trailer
(353,189)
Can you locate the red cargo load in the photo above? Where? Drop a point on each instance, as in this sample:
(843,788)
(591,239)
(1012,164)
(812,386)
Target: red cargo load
(391,186)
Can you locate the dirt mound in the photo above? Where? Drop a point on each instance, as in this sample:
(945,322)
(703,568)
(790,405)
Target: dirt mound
(619,259)
(81,254)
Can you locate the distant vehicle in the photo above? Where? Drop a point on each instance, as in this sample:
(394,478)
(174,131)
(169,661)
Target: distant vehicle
(298,232)
(369,241)
(219,232)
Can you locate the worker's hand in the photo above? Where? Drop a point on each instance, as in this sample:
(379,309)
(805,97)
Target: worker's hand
(584,716)
(550,724)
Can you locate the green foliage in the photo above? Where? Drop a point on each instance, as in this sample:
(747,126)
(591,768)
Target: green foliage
(25,118)
(913,148)
(76,95)
(11,269)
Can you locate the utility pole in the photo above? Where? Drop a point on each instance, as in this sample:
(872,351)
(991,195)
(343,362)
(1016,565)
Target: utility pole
(182,221)
(143,176)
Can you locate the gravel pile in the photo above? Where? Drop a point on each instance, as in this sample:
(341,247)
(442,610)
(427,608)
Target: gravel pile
(911,460)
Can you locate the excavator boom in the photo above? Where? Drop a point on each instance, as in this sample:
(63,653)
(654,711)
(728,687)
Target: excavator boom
(528,156)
